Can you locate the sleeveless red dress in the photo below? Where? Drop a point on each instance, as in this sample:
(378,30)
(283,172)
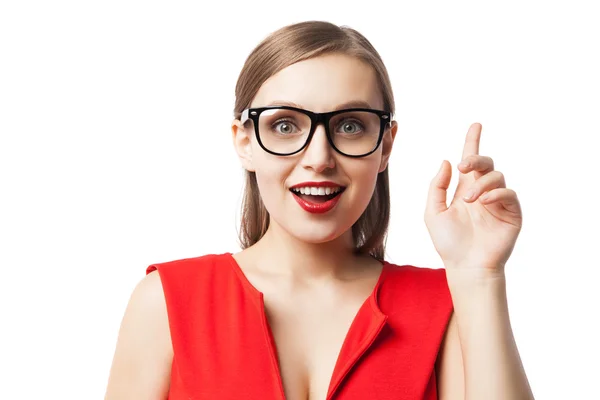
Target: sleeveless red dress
(223,347)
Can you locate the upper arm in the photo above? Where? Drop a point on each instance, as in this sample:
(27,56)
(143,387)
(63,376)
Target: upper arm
(143,357)
(449,365)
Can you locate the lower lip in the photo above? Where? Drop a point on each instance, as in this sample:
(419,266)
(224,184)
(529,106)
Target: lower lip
(317,208)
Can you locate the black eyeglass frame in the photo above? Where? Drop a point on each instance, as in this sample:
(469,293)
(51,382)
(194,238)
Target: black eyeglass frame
(385,118)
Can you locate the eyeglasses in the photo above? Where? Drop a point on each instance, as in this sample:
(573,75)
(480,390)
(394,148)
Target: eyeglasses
(285,130)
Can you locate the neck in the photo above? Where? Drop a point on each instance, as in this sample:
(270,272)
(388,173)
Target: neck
(289,255)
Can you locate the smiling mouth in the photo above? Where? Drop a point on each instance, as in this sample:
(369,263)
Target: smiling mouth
(318,199)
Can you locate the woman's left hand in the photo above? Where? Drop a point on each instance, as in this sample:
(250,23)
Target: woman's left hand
(475,235)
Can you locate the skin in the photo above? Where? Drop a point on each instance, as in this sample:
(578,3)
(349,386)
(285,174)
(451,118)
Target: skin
(312,283)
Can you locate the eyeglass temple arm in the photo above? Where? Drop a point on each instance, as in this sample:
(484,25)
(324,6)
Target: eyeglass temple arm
(244,116)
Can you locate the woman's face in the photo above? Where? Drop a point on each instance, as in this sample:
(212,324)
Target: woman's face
(321,84)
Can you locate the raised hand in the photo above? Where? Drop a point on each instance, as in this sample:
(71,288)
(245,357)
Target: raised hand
(474,235)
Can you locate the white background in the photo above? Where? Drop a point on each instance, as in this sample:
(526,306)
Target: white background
(116,153)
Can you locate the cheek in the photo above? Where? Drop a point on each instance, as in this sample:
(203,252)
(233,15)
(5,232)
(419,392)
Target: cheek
(364,180)
(364,174)
(271,176)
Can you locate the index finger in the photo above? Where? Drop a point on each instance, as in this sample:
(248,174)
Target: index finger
(472,140)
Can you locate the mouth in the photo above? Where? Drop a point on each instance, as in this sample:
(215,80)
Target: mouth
(317,200)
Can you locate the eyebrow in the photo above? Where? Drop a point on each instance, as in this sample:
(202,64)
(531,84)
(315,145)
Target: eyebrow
(349,104)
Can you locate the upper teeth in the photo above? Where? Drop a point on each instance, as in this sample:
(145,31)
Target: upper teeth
(317,191)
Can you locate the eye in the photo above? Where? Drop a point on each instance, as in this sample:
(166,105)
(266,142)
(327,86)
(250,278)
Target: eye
(284,127)
(351,127)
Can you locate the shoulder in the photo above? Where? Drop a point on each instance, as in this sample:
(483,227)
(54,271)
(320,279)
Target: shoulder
(142,360)
(416,294)
(409,269)
(146,310)
(148,293)
(194,279)
(418,280)
(188,264)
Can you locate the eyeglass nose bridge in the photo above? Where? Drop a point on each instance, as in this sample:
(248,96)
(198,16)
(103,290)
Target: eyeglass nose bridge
(315,120)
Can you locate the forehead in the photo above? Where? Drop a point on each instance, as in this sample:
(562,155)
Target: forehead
(322,83)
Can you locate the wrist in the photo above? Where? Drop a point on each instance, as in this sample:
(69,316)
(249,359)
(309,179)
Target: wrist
(474,277)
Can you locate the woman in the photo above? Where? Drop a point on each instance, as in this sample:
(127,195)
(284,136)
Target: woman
(310,309)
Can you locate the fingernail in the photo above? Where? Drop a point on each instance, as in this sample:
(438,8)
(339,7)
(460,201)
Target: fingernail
(469,194)
(464,164)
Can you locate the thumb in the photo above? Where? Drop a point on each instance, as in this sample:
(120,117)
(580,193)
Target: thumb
(436,198)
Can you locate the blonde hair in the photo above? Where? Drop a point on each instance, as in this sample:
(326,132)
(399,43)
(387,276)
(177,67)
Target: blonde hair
(282,48)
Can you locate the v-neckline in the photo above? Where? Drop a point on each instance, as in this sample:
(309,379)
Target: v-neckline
(357,340)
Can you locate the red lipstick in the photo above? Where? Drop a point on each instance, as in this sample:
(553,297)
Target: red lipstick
(317,207)
(317,184)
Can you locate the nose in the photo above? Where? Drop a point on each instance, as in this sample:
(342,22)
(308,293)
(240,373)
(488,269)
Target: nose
(318,154)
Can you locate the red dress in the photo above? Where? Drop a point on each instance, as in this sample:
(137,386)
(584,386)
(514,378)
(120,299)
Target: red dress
(223,347)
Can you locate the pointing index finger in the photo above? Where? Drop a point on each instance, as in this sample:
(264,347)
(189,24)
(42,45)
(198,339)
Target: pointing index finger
(472,140)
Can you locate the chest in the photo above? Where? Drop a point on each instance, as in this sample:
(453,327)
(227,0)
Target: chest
(306,340)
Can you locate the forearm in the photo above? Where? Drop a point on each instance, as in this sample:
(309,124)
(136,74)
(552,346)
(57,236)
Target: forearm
(492,365)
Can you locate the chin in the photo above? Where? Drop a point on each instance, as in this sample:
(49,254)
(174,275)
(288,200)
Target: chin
(315,231)
(317,237)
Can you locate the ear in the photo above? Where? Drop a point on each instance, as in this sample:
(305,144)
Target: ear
(386,145)
(242,142)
